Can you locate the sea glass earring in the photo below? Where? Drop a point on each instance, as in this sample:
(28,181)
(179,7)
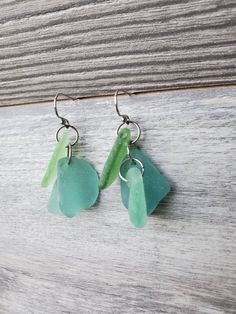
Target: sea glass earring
(142,184)
(76,182)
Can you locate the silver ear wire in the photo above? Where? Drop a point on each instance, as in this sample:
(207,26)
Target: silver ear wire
(66,124)
(64,121)
(125,118)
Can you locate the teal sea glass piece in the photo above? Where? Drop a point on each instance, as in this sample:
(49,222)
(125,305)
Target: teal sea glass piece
(156,186)
(76,188)
(59,152)
(112,166)
(136,204)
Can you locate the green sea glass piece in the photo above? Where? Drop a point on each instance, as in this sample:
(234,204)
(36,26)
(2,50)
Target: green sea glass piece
(53,203)
(136,204)
(112,166)
(59,152)
(76,187)
(156,186)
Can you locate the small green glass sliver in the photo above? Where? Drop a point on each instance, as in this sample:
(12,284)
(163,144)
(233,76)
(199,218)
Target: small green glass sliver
(112,166)
(59,152)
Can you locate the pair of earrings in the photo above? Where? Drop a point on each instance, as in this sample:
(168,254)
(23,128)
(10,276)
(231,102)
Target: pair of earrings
(77,184)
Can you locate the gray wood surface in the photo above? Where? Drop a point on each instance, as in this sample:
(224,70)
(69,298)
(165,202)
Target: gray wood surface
(94,47)
(183,261)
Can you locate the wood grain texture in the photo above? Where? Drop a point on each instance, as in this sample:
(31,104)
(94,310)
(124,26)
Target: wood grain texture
(94,47)
(184,259)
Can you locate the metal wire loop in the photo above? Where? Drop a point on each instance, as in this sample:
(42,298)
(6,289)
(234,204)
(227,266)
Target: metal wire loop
(124,117)
(63,120)
(132,159)
(137,127)
(69,152)
(72,127)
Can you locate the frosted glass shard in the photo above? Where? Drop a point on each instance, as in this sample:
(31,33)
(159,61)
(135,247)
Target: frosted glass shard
(137,203)
(156,186)
(53,203)
(77,184)
(59,152)
(112,166)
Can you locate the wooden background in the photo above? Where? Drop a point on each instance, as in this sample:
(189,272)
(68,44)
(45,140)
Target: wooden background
(92,47)
(183,261)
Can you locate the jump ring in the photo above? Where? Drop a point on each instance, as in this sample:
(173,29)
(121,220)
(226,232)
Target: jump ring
(137,127)
(68,126)
(137,161)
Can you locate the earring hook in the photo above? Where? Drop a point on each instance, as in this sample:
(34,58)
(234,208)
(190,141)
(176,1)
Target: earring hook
(64,121)
(125,117)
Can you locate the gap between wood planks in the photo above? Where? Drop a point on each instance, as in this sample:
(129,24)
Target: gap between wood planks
(136,93)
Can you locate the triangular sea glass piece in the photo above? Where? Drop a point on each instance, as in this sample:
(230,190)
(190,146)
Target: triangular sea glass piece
(156,186)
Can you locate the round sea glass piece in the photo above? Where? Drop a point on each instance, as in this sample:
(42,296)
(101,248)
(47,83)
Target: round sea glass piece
(76,187)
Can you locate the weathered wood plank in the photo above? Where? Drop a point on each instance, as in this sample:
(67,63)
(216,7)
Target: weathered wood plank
(94,47)
(182,262)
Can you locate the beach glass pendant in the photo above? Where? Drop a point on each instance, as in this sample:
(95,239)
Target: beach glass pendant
(77,183)
(156,186)
(112,166)
(75,189)
(136,201)
(59,152)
